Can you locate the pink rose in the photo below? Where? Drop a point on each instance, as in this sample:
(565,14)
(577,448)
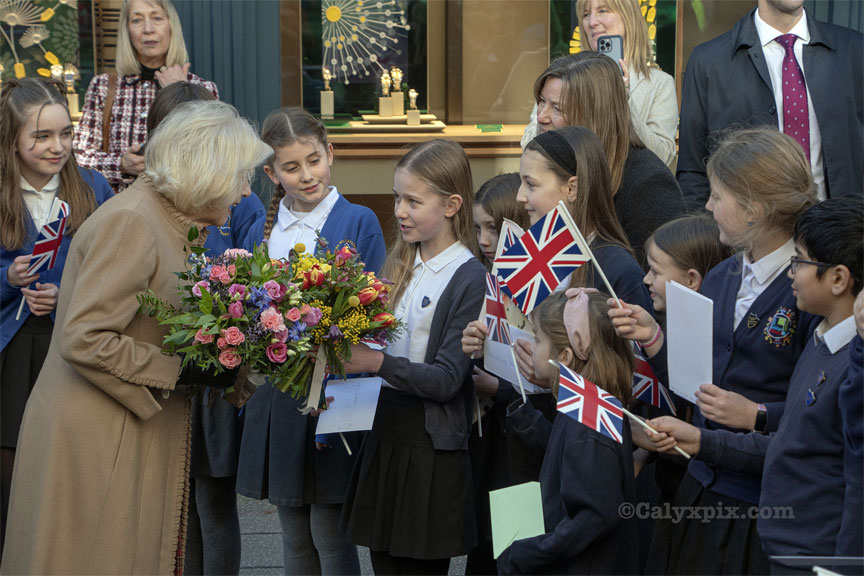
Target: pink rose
(277,352)
(293,315)
(225,278)
(232,270)
(237,291)
(275,290)
(202,285)
(271,320)
(215,272)
(202,338)
(221,343)
(229,358)
(234,253)
(233,336)
(304,309)
(312,317)
(235,309)
(281,335)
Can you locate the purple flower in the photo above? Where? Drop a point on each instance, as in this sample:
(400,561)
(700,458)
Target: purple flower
(335,333)
(235,309)
(196,289)
(237,290)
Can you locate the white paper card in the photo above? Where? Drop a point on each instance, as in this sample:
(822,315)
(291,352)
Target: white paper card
(690,334)
(353,407)
(498,360)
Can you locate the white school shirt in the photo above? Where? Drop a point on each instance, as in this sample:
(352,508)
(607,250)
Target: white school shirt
(292,227)
(757,276)
(836,337)
(39,202)
(420,300)
(774,55)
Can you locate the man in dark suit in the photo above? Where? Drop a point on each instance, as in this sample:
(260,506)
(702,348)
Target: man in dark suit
(738,79)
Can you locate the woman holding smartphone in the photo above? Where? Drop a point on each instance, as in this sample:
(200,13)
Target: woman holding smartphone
(652,101)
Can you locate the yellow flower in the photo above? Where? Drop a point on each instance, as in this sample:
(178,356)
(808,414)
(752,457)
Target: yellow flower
(353,301)
(300,247)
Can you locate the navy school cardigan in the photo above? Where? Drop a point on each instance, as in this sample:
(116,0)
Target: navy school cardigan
(10,296)
(756,360)
(443,380)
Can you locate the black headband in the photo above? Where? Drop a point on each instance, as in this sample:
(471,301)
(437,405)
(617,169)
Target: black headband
(558,149)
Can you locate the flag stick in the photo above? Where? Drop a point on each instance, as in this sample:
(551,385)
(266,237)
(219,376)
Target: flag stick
(20,308)
(650,429)
(345,443)
(479,415)
(637,419)
(587,248)
(518,373)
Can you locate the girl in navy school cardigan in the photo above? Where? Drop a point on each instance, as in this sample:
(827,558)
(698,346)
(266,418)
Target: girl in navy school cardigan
(279,457)
(760,185)
(37,165)
(410,498)
(586,477)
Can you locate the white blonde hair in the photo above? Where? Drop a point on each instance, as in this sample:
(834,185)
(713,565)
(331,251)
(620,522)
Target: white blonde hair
(201,153)
(127,62)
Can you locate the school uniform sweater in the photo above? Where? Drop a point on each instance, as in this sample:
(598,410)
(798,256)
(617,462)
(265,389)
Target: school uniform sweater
(756,360)
(10,296)
(585,479)
(443,380)
(850,540)
(802,463)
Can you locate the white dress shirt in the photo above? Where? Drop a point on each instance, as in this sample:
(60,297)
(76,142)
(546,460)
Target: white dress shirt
(420,300)
(39,202)
(292,227)
(836,337)
(757,276)
(774,55)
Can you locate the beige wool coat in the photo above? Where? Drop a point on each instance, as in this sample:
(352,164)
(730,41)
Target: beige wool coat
(100,484)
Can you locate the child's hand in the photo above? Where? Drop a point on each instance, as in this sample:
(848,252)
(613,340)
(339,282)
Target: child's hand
(363,359)
(726,408)
(317,411)
(15,274)
(859,313)
(43,299)
(648,440)
(525,363)
(634,323)
(684,435)
(473,338)
(485,383)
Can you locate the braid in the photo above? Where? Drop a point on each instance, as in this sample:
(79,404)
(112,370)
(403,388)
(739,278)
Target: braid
(273,210)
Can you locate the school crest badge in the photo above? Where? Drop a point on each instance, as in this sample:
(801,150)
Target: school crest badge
(780,327)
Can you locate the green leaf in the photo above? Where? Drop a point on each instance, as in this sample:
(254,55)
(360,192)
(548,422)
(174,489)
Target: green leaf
(205,319)
(193,234)
(206,303)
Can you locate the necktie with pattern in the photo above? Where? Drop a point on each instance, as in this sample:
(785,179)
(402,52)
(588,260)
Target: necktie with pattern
(796,113)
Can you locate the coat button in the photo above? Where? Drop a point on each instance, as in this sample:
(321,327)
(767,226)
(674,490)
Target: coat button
(772,109)
(728,348)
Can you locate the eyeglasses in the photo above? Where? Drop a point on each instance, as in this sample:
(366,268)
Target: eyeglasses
(794,262)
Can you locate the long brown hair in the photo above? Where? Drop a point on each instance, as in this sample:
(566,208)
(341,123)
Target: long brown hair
(593,210)
(610,360)
(767,173)
(593,95)
(443,166)
(20,99)
(283,128)
(497,197)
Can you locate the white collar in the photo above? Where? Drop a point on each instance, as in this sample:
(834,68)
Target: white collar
(769,265)
(52,185)
(768,33)
(314,219)
(442,259)
(836,337)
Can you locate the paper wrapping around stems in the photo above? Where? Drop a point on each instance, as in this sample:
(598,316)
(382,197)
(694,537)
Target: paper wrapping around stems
(316,386)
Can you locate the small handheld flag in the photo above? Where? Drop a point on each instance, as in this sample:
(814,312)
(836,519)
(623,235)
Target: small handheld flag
(496,312)
(589,404)
(647,387)
(47,245)
(541,259)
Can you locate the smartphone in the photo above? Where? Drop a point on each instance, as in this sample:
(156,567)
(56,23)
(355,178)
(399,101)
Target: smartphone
(613,47)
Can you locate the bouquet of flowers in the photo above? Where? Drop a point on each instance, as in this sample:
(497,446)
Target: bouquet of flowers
(238,308)
(352,303)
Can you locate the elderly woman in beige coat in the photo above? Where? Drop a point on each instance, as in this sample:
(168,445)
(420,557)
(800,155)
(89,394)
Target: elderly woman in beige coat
(101,482)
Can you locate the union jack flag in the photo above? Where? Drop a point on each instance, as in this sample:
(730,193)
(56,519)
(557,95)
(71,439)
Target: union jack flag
(47,245)
(585,402)
(542,258)
(646,385)
(496,312)
(510,233)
